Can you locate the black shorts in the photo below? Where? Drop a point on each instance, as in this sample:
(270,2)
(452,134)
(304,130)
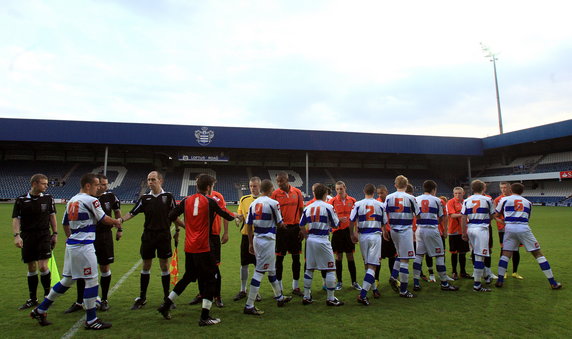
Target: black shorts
(201,267)
(342,242)
(152,241)
(457,244)
(245,257)
(104,247)
(388,249)
(36,246)
(215,245)
(288,240)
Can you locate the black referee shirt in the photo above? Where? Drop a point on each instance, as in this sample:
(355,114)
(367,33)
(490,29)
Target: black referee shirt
(109,203)
(34,212)
(156,210)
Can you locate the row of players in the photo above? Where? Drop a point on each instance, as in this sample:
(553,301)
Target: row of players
(201,256)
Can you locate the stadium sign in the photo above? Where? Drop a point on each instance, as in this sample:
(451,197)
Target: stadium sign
(566,175)
(204,136)
(204,158)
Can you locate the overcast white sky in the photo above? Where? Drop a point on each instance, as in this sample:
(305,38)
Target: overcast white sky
(407,67)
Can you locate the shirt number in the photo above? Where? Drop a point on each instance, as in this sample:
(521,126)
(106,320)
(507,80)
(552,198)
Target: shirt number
(73,211)
(369,213)
(518,206)
(425,206)
(196,207)
(315,214)
(476,205)
(398,205)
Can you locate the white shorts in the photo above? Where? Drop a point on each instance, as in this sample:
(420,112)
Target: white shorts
(80,262)
(370,245)
(512,240)
(319,254)
(265,252)
(429,242)
(479,240)
(403,241)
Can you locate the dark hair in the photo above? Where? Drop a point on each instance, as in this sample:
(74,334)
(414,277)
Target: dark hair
(266,186)
(320,190)
(369,189)
(409,189)
(429,185)
(282,174)
(517,188)
(101,176)
(204,181)
(88,178)
(382,187)
(37,177)
(477,186)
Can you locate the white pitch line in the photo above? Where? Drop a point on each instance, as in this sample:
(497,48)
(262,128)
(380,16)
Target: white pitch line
(72,331)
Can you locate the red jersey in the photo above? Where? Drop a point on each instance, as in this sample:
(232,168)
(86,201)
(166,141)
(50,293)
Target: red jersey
(291,204)
(200,212)
(500,225)
(343,208)
(222,204)
(454,206)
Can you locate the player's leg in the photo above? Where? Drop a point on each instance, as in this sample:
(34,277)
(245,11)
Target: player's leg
(352,269)
(312,251)
(295,249)
(515,263)
(105,283)
(164,253)
(417,267)
(281,251)
(165,275)
(144,279)
(40,312)
(308,277)
(429,262)
(207,282)
(245,260)
(32,277)
(545,267)
(45,275)
(339,269)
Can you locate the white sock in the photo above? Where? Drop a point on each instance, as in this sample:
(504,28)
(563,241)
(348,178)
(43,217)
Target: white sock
(243,277)
(330,284)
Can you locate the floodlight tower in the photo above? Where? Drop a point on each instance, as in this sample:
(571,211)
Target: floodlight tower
(493,58)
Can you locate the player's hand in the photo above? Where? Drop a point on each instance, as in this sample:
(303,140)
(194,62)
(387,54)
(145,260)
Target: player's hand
(343,220)
(354,237)
(251,249)
(53,241)
(445,235)
(301,235)
(282,225)
(118,234)
(18,241)
(176,237)
(224,238)
(465,237)
(386,236)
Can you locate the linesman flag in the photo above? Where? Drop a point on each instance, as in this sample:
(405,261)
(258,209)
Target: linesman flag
(53,267)
(175,265)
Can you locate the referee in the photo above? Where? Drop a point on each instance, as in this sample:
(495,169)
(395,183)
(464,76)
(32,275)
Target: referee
(103,246)
(33,215)
(156,238)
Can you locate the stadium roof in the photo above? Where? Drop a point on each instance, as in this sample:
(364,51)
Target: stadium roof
(211,137)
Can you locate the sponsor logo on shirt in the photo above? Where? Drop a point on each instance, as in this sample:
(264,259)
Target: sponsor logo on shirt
(96,203)
(87,271)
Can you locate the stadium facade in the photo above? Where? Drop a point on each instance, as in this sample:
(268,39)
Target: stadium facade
(538,156)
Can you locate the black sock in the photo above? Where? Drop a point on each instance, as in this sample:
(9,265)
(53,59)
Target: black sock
(105,282)
(144,283)
(515,261)
(463,263)
(339,270)
(165,280)
(33,286)
(377,269)
(324,273)
(352,269)
(488,262)
(390,263)
(473,257)
(296,266)
(46,280)
(454,260)
(218,283)
(429,261)
(80,288)
(279,267)
(205,314)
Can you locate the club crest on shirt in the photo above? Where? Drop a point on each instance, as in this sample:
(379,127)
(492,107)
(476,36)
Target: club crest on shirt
(204,136)
(536,245)
(107,205)
(44,207)
(164,199)
(87,271)
(266,266)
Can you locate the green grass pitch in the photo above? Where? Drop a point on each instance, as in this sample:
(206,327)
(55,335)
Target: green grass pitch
(525,308)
